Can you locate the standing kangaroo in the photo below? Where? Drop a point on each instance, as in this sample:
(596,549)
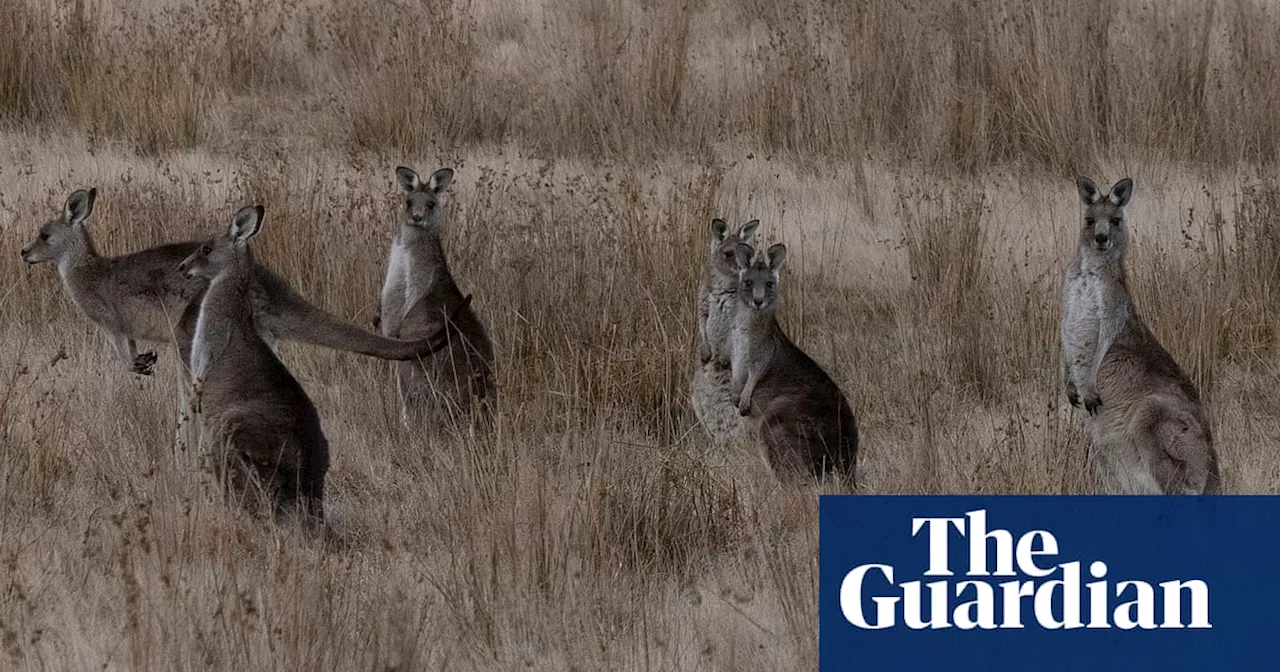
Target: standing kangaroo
(710,391)
(796,410)
(419,298)
(1148,425)
(263,430)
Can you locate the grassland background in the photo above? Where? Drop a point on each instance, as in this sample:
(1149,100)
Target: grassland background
(917,157)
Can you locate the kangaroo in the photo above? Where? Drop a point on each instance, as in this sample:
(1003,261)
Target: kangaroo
(710,391)
(418,297)
(263,429)
(1148,425)
(142,297)
(796,410)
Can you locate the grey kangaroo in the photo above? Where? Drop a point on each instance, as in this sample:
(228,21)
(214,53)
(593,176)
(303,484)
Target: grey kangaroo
(1148,425)
(796,410)
(418,299)
(263,430)
(710,391)
(142,297)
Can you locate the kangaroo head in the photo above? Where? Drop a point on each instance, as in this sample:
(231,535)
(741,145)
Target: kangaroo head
(724,245)
(1104,232)
(61,233)
(219,252)
(758,279)
(423,201)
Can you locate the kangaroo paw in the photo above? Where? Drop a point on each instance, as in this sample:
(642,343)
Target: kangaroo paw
(144,364)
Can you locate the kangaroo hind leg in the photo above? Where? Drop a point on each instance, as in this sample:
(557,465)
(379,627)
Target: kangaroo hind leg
(1174,447)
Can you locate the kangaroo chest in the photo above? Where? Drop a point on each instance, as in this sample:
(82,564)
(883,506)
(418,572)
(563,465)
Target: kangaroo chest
(419,281)
(215,327)
(720,311)
(749,344)
(210,342)
(393,290)
(413,272)
(1081,313)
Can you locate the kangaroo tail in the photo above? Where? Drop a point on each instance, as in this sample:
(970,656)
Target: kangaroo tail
(290,317)
(1176,446)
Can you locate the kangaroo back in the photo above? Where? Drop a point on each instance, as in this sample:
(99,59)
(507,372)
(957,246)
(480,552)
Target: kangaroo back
(805,421)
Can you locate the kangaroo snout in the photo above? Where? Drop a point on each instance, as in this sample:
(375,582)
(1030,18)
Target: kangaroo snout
(26,255)
(758,296)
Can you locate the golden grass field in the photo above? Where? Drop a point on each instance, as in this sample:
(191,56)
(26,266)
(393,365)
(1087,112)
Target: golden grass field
(917,157)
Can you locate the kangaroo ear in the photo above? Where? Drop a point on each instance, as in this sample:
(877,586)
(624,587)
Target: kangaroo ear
(79,205)
(407,178)
(743,255)
(719,229)
(1088,190)
(748,230)
(440,179)
(246,223)
(1121,191)
(776,254)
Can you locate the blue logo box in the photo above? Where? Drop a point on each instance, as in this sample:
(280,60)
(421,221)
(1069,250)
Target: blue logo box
(1049,583)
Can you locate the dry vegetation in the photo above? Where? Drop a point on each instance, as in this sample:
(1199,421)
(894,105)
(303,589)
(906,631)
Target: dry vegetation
(916,156)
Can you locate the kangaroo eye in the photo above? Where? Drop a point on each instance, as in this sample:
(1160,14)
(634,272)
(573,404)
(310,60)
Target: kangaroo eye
(769,284)
(1090,221)
(748,283)
(1115,221)
(44,237)
(206,250)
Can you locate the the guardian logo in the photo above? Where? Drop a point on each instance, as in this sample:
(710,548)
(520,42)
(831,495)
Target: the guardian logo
(1037,589)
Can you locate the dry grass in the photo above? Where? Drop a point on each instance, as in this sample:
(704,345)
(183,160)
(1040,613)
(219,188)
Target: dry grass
(956,85)
(912,155)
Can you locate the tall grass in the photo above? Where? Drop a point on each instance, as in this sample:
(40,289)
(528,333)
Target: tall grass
(953,84)
(597,527)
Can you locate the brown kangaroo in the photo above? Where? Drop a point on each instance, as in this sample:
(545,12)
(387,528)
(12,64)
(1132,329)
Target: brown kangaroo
(799,414)
(263,430)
